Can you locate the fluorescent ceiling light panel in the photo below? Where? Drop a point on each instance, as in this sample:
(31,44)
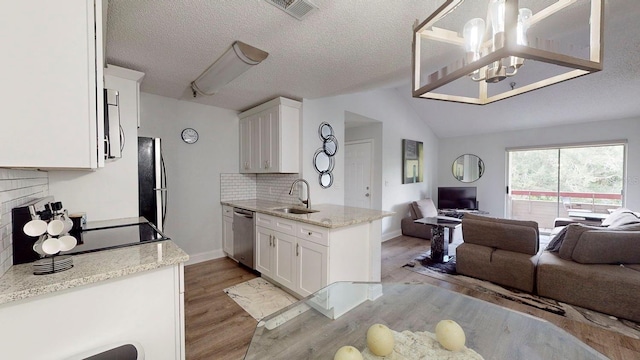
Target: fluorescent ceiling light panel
(235,61)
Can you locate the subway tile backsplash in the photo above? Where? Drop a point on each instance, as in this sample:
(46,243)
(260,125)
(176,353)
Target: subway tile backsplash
(272,187)
(275,187)
(237,187)
(17,187)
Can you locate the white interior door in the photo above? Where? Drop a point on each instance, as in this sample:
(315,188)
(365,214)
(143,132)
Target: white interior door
(358,174)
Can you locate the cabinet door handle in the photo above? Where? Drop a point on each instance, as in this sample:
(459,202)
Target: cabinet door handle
(310,233)
(297,249)
(270,241)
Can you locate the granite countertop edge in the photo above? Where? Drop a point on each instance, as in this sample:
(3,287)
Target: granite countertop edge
(321,217)
(26,285)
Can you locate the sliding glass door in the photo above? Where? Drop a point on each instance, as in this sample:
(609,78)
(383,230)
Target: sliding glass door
(553,182)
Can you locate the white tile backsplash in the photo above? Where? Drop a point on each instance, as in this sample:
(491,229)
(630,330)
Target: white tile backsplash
(275,187)
(272,187)
(237,187)
(17,187)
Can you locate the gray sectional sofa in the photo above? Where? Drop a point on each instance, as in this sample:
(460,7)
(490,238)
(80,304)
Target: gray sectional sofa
(592,267)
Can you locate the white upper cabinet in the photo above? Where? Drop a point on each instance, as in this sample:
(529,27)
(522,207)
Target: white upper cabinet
(270,137)
(52,84)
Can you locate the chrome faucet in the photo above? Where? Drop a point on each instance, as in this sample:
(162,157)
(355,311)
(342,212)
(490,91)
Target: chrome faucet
(306,202)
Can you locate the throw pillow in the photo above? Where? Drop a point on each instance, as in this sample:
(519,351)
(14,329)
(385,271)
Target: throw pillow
(556,242)
(619,217)
(425,208)
(571,237)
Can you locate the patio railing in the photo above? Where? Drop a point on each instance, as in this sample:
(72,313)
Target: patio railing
(544,206)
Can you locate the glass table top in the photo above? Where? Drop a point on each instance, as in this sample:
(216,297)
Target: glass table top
(340,314)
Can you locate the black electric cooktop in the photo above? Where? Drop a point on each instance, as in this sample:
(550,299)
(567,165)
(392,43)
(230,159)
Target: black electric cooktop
(115,237)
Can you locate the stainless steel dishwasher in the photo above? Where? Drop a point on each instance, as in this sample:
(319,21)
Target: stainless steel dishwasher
(243,236)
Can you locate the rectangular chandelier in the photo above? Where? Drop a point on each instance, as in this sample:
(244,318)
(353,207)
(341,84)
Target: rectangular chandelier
(495,49)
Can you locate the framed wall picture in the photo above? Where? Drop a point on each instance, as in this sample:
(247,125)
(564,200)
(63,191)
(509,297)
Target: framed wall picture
(412,162)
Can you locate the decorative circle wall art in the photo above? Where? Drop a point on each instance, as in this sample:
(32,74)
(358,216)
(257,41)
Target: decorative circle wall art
(323,160)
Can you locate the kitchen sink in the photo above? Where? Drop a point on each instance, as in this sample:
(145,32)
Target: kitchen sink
(291,210)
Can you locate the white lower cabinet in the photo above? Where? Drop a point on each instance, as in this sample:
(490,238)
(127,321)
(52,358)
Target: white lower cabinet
(264,258)
(285,264)
(275,256)
(146,308)
(311,265)
(227,230)
(305,258)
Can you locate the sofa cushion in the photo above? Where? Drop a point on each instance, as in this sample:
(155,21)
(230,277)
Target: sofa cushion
(531,224)
(620,217)
(571,237)
(511,235)
(611,289)
(499,266)
(423,208)
(608,247)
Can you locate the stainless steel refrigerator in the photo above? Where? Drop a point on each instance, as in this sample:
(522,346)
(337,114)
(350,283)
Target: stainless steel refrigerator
(152,181)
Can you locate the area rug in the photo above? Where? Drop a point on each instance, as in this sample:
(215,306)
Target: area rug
(425,260)
(259,297)
(591,317)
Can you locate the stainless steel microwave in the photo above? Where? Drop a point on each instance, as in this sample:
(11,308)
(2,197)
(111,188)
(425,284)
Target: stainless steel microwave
(113,133)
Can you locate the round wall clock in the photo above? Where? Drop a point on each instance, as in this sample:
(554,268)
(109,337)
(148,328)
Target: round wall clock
(189,135)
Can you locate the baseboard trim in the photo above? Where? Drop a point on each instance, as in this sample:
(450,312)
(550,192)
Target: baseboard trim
(391,235)
(205,256)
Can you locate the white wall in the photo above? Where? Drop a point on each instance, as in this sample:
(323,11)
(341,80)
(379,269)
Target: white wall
(110,192)
(399,121)
(491,149)
(194,214)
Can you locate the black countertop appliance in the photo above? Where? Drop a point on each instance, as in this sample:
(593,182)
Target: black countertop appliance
(95,236)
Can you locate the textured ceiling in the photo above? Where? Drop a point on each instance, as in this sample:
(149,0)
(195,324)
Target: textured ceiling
(349,46)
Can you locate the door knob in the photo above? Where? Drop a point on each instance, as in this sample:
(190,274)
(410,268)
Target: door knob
(367,194)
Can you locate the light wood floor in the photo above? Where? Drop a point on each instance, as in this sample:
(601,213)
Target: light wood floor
(218,328)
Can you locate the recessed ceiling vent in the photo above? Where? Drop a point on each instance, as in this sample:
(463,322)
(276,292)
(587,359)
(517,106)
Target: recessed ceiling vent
(299,9)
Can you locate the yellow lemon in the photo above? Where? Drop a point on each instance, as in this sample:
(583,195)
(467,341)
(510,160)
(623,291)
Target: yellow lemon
(347,353)
(380,340)
(450,335)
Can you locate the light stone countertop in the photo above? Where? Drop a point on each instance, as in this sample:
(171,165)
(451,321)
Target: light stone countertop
(327,215)
(19,282)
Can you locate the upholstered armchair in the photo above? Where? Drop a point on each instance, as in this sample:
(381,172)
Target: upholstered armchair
(418,210)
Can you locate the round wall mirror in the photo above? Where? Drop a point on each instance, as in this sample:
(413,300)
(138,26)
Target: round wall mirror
(330,145)
(325,130)
(467,168)
(326,179)
(322,162)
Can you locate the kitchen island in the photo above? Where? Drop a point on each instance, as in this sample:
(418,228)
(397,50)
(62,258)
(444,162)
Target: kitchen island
(131,295)
(305,252)
(325,215)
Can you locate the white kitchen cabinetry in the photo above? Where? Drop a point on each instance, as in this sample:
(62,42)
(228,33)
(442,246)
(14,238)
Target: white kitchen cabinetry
(227,230)
(270,137)
(304,258)
(52,84)
(311,266)
(146,308)
(264,257)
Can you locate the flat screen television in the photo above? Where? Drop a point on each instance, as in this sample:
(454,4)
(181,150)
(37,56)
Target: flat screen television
(457,198)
